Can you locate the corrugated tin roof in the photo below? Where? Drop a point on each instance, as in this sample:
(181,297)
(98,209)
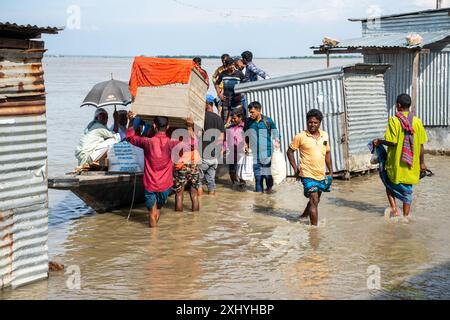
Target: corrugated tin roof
(403,14)
(25,31)
(393,40)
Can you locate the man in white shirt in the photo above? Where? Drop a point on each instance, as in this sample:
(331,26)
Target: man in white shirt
(96,138)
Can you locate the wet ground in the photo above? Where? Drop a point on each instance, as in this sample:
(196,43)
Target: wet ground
(244,245)
(241,245)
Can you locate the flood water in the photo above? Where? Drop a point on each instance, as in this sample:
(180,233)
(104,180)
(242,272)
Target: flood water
(241,245)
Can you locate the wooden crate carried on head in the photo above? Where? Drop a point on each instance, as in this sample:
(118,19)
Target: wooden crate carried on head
(172,88)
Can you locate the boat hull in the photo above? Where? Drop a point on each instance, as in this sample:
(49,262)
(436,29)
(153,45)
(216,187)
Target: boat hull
(103,191)
(107,191)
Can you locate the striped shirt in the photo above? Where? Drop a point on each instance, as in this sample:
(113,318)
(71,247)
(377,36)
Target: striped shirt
(252,72)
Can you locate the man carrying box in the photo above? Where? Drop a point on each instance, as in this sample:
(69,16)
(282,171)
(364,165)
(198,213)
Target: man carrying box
(158,169)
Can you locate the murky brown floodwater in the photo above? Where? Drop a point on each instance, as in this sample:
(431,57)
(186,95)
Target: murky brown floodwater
(250,246)
(241,245)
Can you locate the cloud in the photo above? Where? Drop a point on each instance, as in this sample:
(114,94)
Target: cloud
(285,27)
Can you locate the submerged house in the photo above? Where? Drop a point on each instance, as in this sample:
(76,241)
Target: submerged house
(420,68)
(23,156)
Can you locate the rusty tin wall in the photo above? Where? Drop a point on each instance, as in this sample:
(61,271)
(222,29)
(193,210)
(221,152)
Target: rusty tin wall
(23,168)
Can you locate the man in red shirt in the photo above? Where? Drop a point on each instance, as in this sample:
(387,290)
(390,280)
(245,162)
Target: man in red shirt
(158,170)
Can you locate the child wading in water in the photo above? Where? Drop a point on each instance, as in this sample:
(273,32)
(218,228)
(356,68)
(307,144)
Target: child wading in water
(187,172)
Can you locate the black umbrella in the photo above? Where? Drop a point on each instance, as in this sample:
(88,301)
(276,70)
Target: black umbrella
(106,93)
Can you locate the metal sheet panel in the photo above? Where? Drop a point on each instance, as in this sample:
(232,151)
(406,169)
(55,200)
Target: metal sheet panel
(292,79)
(433,83)
(287,100)
(23,200)
(391,40)
(22,90)
(434,89)
(405,14)
(414,22)
(397,78)
(366,115)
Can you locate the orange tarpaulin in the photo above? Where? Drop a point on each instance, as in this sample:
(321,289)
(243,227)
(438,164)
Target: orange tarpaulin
(153,72)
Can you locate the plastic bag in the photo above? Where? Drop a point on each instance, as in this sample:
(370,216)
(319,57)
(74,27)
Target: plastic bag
(374,158)
(124,157)
(414,39)
(278,168)
(245,167)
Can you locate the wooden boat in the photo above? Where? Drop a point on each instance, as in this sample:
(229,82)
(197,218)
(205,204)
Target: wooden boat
(103,191)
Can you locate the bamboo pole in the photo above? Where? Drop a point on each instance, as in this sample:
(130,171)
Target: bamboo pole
(415,75)
(328,59)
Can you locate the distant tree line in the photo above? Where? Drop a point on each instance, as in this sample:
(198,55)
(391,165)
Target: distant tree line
(188,57)
(209,57)
(322,56)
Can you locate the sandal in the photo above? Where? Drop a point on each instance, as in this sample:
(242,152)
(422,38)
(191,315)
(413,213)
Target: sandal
(426,173)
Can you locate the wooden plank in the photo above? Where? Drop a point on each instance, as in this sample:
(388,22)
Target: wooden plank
(8,104)
(21,44)
(20,56)
(21,111)
(415,75)
(337,51)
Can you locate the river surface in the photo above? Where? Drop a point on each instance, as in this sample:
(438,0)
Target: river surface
(241,245)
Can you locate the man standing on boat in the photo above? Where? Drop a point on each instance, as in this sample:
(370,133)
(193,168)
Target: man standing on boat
(314,147)
(158,170)
(405,160)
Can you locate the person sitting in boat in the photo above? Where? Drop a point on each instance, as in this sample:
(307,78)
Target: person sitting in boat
(97,138)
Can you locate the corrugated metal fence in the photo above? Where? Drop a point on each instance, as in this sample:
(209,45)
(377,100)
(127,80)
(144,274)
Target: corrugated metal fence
(23,199)
(366,114)
(23,165)
(352,100)
(287,101)
(433,83)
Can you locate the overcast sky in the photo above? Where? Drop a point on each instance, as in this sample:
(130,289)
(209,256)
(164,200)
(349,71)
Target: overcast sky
(269,28)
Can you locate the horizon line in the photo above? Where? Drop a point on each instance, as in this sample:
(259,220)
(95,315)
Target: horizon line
(181,56)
